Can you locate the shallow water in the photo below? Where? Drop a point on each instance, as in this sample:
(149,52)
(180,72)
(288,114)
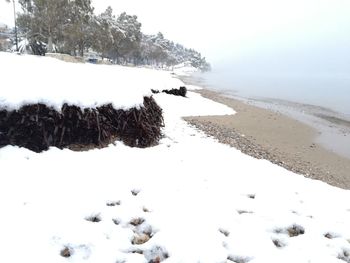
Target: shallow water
(329,91)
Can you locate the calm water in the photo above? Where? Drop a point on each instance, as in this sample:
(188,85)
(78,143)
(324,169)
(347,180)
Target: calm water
(330,91)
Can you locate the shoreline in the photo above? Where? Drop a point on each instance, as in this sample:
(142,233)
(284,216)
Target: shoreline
(333,128)
(265,134)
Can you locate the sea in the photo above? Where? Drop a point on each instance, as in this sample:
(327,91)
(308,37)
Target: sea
(328,91)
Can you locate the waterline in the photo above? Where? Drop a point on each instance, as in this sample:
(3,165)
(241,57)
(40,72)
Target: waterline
(333,127)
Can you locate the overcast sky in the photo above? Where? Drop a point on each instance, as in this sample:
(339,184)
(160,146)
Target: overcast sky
(224,29)
(229,29)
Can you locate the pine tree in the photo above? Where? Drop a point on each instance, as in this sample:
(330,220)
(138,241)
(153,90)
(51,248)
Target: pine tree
(78,32)
(43,21)
(128,39)
(70,26)
(104,32)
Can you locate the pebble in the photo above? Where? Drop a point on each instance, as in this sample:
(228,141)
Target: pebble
(247,146)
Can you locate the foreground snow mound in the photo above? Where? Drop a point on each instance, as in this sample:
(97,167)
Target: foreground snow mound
(55,103)
(189,199)
(30,79)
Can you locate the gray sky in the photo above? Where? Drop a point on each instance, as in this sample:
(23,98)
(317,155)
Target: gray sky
(6,13)
(223,30)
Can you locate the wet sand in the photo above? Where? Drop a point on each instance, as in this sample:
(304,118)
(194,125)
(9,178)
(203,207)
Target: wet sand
(269,135)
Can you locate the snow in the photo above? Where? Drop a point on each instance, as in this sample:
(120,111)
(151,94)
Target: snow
(201,200)
(184,69)
(193,87)
(55,82)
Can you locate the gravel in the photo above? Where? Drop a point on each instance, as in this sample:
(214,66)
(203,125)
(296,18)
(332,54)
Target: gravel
(247,146)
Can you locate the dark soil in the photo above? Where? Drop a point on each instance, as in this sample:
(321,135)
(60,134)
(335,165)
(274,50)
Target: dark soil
(37,126)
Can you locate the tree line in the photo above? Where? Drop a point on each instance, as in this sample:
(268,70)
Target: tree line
(72,27)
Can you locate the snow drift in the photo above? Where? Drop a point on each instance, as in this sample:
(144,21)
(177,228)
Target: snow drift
(61,104)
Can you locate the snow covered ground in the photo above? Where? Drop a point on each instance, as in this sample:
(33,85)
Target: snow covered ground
(189,199)
(32,79)
(184,69)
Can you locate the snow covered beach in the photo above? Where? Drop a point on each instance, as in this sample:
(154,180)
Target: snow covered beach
(188,199)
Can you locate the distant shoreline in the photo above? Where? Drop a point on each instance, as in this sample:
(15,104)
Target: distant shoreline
(265,134)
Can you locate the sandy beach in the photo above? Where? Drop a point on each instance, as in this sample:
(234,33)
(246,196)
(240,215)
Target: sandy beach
(268,135)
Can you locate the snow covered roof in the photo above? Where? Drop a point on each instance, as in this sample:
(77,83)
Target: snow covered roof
(29,79)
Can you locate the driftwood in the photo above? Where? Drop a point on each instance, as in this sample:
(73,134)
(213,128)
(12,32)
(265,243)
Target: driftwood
(182,91)
(37,127)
